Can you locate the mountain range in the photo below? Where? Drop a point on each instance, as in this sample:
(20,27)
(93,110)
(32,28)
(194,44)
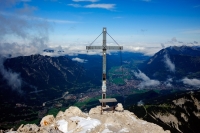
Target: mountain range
(28,82)
(173,62)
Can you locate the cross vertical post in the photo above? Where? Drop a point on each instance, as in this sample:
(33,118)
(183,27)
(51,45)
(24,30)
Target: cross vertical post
(104,47)
(104,67)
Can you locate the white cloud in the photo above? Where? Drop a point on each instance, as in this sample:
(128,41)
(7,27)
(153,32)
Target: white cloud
(14,49)
(168,63)
(85,0)
(162,45)
(192,82)
(13,79)
(49,20)
(140,103)
(79,60)
(146,81)
(69,50)
(32,18)
(145,50)
(33,35)
(103,6)
(74,5)
(168,82)
(58,21)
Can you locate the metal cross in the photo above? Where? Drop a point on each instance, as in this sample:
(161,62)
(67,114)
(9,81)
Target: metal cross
(104,47)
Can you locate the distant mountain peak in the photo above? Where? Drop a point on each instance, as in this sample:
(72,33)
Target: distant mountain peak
(174,61)
(184,50)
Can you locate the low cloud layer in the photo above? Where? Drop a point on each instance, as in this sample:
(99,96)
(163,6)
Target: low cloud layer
(150,51)
(13,79)
(140,103)
(79,60)
(146,81)
(169,64)
(162,45)
(20,35)
(193,82)
(99,5)
(168,82)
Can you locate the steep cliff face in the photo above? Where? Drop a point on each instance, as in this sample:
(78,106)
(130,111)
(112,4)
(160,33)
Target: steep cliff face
(73,120)
(179,113)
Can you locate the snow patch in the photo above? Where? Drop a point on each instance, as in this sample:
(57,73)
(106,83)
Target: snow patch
(106,131)
(124,130)
(86,124)
(62,125)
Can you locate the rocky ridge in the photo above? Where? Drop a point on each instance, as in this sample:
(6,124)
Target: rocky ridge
(73,120)
(178,112)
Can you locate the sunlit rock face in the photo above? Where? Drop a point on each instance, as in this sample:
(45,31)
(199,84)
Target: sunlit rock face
(177,112)
(73,120)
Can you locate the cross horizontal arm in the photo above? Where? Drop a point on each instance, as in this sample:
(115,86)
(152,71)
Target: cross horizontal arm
(106,47)
(114,47)
(94,47)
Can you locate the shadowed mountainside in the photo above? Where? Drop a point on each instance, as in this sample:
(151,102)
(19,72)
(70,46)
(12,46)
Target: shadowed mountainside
(173,62)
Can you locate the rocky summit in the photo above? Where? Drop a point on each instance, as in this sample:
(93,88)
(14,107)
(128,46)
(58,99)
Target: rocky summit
(73,120)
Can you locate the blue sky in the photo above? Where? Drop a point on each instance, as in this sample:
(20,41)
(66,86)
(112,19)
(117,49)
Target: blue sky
(135,24)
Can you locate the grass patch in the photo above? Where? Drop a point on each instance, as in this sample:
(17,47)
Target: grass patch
(54,111)
(137,91)
(87,102)
(36,121)
(118,81)
(93,102)
(115,70)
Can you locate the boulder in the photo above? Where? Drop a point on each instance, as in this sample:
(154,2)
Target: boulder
(28,128)
(49,129)
(60,114)
(73,111)
(47,120)
(119,107)
(10,132)
(96,110)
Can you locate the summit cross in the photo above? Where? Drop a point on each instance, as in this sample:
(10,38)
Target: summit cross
(104,47)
